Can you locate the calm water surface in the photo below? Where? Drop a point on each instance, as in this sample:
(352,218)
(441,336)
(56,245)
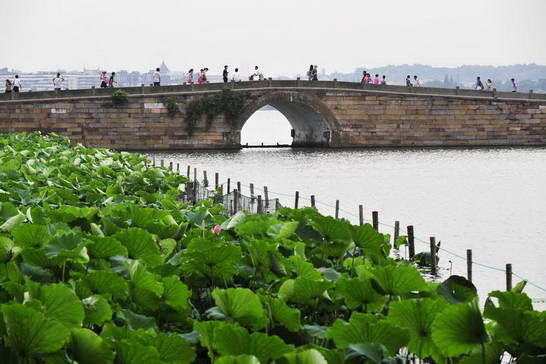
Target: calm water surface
(492,201)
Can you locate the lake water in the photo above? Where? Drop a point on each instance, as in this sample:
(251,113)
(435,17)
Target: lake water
(492,200)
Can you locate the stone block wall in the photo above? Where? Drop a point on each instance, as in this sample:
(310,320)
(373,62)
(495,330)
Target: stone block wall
(356,117)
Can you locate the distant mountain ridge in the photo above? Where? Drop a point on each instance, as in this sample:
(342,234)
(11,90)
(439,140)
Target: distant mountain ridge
(527,75)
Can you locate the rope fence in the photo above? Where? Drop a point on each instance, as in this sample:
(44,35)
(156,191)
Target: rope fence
(233,199)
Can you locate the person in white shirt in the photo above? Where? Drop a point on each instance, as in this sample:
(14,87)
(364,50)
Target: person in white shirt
(57,82)
(257,74)
(416,82)
(157,77)
(17,84)
(235,77)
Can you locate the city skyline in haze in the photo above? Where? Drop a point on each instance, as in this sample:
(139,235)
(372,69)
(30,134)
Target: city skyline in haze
(282,37)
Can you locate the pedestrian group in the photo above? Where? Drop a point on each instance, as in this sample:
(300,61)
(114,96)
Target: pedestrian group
(109,81)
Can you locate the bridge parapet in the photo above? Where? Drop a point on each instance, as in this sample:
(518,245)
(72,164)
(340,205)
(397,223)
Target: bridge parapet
(279,84)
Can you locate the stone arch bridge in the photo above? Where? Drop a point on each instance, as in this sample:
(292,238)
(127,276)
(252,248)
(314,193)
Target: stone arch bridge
(322,113)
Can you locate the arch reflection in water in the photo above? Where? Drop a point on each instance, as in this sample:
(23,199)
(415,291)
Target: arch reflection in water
(267,126)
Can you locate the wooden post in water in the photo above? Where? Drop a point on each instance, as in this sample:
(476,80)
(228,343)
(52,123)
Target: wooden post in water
(337,209)
(239,187)
(231,207)
(235,198)
(360,215)
(469,264)
(312,200)
(205,179)
(162,163)
(375,220)
(508,277)
(195,185)
(260,205)
(153,161)
(228,186)
(396,231)
(251,189)
(411,242)
(171,166)
(433,256)
(178,168)
(266,196)
(216,180)
(296,199)
(188,172)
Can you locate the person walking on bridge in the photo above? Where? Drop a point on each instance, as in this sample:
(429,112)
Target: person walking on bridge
(479,84)
(58,81)
(408,81)
(416,82)
(315,73)
(489,85)
(384,80)
(17,84)
(9,86)
(310,73)
(236,77)
(376,79)
(514,85)
(225,74)
(112,80)
(156,77)
(103,80)
(257,74)
(189,78)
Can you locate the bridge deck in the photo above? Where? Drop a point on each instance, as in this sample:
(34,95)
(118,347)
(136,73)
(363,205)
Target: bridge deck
(287,85)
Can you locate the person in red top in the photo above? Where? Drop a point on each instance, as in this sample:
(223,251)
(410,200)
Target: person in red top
(103,80)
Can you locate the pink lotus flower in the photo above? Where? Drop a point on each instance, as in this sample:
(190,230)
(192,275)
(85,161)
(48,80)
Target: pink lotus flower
(216,229)
(322,270)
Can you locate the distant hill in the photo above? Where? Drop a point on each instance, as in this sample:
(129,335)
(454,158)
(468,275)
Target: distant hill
(528,76)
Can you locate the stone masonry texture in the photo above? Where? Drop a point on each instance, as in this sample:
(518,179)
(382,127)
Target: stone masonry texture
(356,117)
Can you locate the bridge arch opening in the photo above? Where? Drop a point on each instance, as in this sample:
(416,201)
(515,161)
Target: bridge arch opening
(311,121)
(267,126)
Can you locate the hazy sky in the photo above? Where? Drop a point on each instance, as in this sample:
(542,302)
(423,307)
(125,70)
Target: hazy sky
(282,36)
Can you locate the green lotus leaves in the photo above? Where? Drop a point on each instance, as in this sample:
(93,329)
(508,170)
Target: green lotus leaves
(61,303)
(175,293)
(311,356)
(97,310)
(457,289)
(458,329)
(280,312)
(30,235)
(140,244)
(93,241)
(107,282)
(237,359)
(173,349)
(241,305)
(358,292)
(29,332)
(233,340)
(67,246)
(105,247)
(89,348)
(367,328)
(417,317)
(398,280)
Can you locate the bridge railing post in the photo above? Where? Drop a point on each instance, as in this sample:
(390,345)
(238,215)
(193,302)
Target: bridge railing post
(335,82)
(298,82)
(93,90)
(142,88)
(530,94)
(456,90)
(270,82)
(494,92)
